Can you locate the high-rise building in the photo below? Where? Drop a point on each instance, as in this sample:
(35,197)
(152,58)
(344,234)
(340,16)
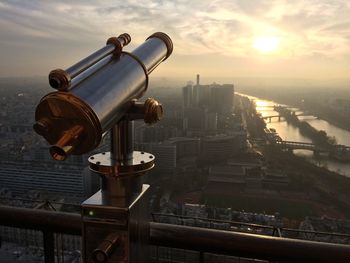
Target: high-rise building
(194,118)
(221,98)
(187,96)
(211,121)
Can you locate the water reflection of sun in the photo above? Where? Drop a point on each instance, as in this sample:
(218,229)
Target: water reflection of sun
(261,103)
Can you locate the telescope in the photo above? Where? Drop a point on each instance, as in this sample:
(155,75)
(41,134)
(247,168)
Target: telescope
(96,93)
(99,94)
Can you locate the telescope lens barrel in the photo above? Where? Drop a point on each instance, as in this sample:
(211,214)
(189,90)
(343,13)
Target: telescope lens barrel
(74,120)
(61,79)
(152,52)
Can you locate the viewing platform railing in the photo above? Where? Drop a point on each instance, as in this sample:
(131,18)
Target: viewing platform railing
(202,240)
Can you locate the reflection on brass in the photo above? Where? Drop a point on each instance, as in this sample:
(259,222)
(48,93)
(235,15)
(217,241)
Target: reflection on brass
(105,248)
(74,118)
(153,111)
(66,144)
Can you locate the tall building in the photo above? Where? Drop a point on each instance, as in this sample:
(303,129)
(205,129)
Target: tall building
(195,96)
(194,118)
(156,133)
(221,98)
(187,96)
(211,121)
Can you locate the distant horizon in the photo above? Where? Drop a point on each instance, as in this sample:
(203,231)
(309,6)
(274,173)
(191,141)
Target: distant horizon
(246,81)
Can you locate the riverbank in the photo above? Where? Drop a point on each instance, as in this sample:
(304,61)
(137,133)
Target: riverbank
(319,137)
(318,111)
(318,184)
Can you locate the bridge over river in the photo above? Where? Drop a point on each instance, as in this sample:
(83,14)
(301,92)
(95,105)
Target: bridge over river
(332,149)
(270,117)
(279,114)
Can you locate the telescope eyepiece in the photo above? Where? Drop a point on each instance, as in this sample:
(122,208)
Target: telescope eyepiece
(59,79)
(55,83)
(58,153)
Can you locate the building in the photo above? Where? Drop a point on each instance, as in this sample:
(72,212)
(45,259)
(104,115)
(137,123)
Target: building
(194,118)
(26,176)
(222,146)
(211,121)
(185,147)
(187,96)
(221,98)
(275,179)
(165,159)
(225,179)
(156,133)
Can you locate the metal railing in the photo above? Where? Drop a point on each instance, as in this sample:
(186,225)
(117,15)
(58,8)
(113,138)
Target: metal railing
(252,227)
(184,237)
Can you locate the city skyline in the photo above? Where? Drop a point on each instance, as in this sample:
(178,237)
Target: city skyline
(223,39)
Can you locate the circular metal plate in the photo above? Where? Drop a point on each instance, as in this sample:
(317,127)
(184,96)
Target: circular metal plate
(104,164)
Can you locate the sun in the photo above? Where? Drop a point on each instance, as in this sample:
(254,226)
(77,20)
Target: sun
(266,44)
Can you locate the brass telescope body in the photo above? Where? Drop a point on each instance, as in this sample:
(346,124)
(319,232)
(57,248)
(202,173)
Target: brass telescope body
(97,92)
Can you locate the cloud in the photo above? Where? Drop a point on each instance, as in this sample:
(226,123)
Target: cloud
(223,27)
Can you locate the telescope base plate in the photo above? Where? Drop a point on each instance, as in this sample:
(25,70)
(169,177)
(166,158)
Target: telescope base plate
(140,162)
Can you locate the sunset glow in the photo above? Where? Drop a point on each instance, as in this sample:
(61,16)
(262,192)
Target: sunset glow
(299,39)
(266,44)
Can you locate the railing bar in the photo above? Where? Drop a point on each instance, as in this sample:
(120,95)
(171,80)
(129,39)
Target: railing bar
(253,225)
(214,220)
(246,245)
(190,238)
(43,220)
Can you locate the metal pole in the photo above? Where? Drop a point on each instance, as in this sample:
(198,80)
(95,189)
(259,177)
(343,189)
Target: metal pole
(58,222)
(122,138)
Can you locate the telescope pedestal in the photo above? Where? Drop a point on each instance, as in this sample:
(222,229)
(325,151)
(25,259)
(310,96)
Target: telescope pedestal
(115,219)
(127,226)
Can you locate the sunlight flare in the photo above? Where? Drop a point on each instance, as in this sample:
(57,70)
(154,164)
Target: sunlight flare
(266,44)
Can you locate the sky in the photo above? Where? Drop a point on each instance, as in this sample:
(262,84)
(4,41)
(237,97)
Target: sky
(217,38)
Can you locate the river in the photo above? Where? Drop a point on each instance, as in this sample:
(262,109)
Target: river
(290,133)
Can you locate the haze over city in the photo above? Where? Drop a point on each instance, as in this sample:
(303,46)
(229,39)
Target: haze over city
(302,39)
